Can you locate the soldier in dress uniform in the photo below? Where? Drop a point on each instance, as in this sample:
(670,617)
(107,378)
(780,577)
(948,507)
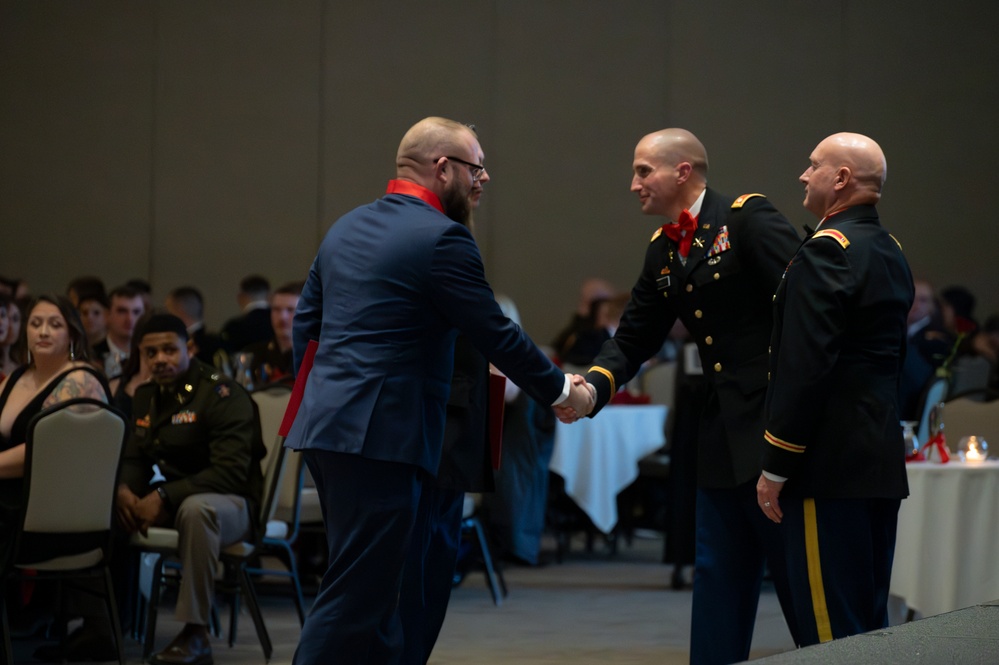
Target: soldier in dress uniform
(714,265)
(202,432)
(834,468)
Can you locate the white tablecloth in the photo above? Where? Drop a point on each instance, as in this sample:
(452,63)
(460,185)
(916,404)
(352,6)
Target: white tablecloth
(598,457)
(947,550)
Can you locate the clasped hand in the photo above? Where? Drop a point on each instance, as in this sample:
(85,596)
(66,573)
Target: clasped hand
(582,398)
(139,513)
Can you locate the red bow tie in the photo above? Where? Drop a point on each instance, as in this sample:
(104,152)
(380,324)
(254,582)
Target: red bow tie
(685,223)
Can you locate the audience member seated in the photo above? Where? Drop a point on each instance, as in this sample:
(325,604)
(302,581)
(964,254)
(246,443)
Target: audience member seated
(187,304)
(957,309)
(4,327)
(928,345)
(145,291)
(605,316)
(590,290)
(271,361)
(254,323)
(7,343)
(54,348)
(135,373)
(985,344)
(87,284)
(93,309)
(515,510)
(200,428)
(966,368)
(126,308)
(16,288)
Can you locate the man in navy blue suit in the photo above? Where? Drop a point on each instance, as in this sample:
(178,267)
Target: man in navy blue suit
(392,284)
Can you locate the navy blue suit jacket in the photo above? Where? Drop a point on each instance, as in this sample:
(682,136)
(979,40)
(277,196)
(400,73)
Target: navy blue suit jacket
(392,284)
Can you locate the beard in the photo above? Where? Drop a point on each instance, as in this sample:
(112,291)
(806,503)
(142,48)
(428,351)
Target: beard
(456,205)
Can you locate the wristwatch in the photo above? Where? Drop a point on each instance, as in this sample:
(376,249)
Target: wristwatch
(163,495)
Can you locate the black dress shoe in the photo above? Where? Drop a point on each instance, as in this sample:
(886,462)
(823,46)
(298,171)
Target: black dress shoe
(190,647)
(81,646)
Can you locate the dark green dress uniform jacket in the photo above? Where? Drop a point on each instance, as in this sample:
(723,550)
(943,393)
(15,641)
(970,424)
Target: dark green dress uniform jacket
(724,296)
(203,433)
(838,348)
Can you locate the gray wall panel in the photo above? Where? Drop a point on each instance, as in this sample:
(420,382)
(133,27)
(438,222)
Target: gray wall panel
(193,142)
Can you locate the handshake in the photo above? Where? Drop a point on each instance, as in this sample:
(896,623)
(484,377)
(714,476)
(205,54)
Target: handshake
(580,402)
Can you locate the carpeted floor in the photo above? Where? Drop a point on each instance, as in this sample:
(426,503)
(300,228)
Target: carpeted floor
(592,608)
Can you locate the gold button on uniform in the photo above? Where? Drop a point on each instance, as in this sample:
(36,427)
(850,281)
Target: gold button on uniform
(717,367)
(698,313)
(717,276)
(690,287)
(708,340)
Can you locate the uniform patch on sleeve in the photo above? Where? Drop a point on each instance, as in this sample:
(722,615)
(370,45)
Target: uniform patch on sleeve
(834,234)
(222,390)
(739,202)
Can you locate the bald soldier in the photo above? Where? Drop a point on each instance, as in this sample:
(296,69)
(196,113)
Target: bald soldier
(834,468)
(714,264)
(393,283)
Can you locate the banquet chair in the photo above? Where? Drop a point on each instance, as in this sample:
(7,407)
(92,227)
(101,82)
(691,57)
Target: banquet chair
(235,582)
(472,529)
(281,531)
(64,533)
(972,413)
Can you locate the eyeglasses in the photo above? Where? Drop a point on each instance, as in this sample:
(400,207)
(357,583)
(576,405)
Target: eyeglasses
(475,169)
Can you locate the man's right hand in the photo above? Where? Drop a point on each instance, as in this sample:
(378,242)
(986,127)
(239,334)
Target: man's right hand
(580,402)
(126,504)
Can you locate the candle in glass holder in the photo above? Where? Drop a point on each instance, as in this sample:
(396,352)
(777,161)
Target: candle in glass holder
(973,449)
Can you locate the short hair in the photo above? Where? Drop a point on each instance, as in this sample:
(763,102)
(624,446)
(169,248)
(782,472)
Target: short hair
(162,323)
(190,300)
(140,285)
(85,287)
(255,285)
(77,334)
(99,297)
(961,299)
(126,291)
(290,289)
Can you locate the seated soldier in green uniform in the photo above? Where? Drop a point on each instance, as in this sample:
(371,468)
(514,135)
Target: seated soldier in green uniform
(201,430)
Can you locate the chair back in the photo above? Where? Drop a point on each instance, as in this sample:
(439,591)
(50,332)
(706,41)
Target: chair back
(72,459)
(659,383)
(271,405)
(967,415)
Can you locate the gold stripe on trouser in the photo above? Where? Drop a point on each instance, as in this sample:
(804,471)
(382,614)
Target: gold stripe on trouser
(815,573)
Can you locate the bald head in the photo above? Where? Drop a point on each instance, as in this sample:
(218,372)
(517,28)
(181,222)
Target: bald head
(428,140)
(444,156)
(846,169)
(676,145)
(670,171)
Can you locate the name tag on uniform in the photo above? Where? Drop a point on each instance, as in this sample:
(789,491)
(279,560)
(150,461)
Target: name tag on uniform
(663,282)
